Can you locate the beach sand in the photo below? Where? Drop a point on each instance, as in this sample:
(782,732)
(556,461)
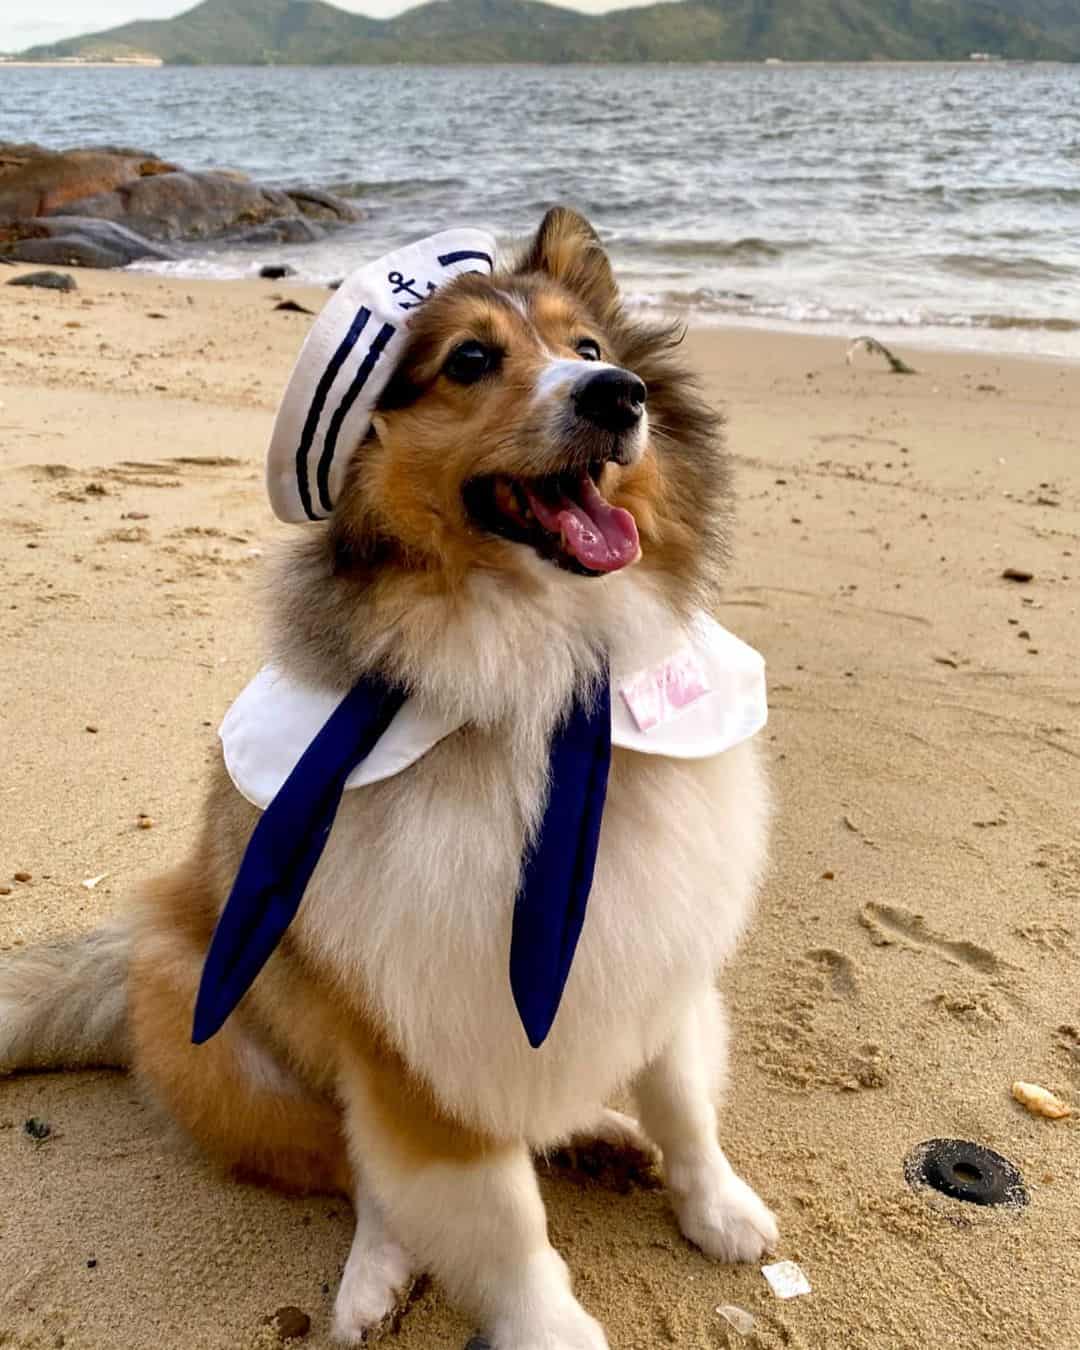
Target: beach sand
(917,946)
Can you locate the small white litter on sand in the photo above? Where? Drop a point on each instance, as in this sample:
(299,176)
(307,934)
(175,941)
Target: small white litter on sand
(786,1279)
(737,1318)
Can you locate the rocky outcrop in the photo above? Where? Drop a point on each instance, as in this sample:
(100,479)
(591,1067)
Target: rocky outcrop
(35,181)
(107,206)
(78,241)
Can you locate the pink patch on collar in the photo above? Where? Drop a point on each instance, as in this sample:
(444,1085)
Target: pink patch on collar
(656,696)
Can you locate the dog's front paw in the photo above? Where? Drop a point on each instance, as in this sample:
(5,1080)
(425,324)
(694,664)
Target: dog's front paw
(370,1293)
(719,1213)
(568,1328)
(541,1312)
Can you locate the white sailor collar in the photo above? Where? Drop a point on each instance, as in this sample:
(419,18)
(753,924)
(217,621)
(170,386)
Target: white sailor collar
(705,696)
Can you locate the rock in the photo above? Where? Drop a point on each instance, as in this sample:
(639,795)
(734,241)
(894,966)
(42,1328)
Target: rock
(79,240)
(107,234)
(322,205)
(148,199)
(50,281)
(292,1324)
(35,181)
(193,205)
(67,251)
(276,271)
(285,230)
(1018,574)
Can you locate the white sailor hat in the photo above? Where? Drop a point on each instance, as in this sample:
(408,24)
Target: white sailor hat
(345,364)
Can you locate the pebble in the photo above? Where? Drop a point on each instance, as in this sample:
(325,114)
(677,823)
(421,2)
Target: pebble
(144,822)
(38,1130)
(91,729)
(1017,574)
(275,271)
(24,876)
(292,1323)
(51,281)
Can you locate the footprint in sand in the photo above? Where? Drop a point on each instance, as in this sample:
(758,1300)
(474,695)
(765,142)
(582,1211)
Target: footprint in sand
(894,926)
(1067,1039)
(809,1040)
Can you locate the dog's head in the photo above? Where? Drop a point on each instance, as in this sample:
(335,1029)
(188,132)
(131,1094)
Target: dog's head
(532,430)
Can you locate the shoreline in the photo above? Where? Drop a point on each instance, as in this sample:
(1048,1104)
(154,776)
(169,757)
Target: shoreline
(315,295)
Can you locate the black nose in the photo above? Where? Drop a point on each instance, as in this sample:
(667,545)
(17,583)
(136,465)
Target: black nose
(611,399)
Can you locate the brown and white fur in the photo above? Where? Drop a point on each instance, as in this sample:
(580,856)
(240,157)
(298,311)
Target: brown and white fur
(379,1052)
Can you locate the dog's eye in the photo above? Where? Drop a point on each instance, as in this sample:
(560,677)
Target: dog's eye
(588,349)
(470,362)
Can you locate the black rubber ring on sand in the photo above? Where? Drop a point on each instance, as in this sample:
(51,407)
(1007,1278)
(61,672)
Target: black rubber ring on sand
(965,1171)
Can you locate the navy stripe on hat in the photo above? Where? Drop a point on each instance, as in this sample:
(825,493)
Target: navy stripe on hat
(466,255)
(382,337)
(318,402)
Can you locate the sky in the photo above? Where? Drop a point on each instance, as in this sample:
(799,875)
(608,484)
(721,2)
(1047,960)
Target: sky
(24,23)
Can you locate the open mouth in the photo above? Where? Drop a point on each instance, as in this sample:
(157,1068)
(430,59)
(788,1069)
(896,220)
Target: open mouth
(564,517)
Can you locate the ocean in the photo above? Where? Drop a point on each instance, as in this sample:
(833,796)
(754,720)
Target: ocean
(939,203)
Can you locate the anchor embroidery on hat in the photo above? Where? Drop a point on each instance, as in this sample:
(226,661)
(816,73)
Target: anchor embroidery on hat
(401,286)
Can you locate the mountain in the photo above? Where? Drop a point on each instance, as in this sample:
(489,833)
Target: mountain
(310,32)
(1061,18)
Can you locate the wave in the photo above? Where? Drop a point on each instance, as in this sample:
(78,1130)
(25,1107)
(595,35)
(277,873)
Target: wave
(396,188)
(708,301)
(1035,195)
(752,249)
(1011,269)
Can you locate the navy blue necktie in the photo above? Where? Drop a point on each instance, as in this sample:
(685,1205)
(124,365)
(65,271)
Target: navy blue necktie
(287,842)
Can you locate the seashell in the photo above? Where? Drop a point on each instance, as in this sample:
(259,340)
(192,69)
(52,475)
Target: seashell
(1040,1102)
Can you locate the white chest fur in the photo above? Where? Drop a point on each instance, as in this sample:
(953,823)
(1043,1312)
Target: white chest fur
(412,904)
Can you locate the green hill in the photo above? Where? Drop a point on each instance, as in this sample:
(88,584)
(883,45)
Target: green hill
(309,32)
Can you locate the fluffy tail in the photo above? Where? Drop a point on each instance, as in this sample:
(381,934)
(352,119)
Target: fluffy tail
(64,1005)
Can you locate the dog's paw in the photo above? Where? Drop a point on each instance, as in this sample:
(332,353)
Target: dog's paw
(619,1132)
(370,1294)
(566,1328)
(613,1151)
(540,1311)
(719,1213)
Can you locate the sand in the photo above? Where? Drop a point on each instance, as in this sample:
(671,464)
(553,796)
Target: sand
(917,946)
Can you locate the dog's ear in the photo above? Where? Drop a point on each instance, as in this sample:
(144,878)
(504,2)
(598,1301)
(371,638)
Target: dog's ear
(568,250)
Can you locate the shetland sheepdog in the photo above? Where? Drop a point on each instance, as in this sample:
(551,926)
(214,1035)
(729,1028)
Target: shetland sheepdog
(483,554)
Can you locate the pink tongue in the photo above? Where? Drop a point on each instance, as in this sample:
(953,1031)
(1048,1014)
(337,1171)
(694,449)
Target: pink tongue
(600,536)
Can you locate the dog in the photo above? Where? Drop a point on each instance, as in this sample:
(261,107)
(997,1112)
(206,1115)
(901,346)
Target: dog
(542,490)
